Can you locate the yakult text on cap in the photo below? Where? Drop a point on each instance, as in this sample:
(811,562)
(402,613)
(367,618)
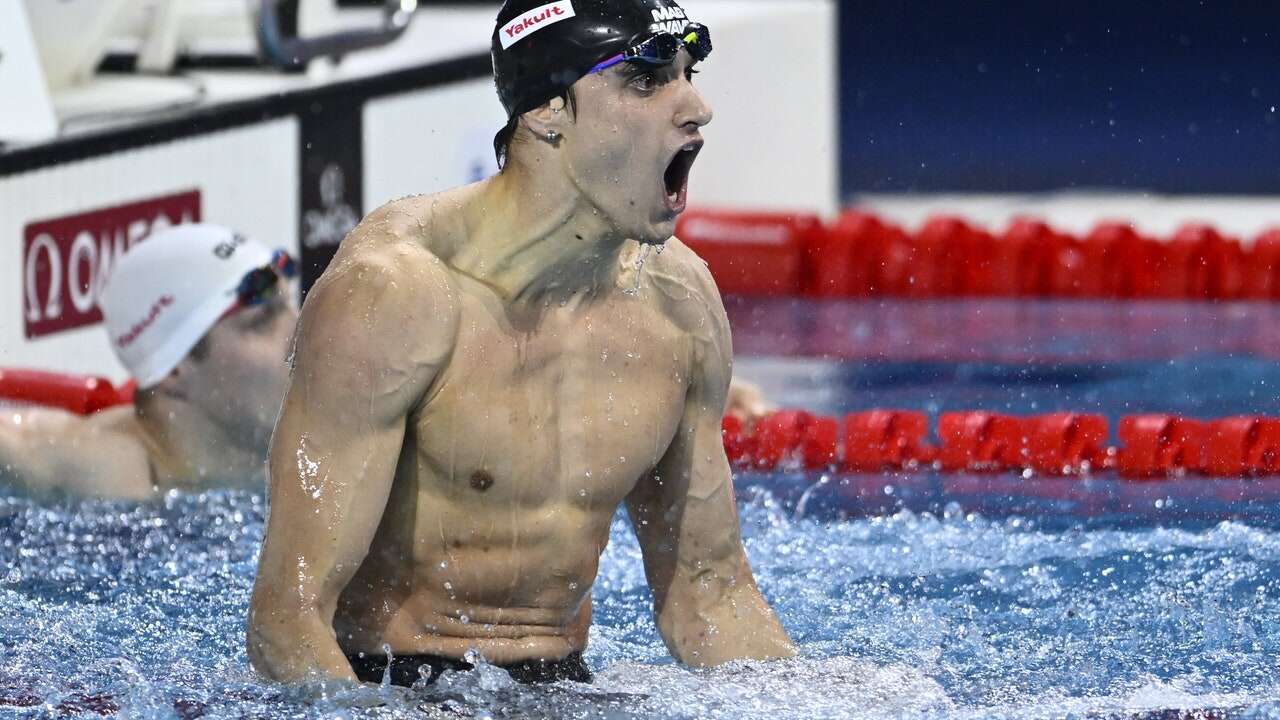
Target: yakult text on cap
(535,20)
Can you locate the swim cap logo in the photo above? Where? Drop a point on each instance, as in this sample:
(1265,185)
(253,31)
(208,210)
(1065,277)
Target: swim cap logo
(225,249)
(535,20)
(141,326)
(671,20)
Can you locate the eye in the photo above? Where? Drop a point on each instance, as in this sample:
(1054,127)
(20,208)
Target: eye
(645,81)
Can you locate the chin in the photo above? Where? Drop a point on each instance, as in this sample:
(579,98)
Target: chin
(655,239)
(656,233)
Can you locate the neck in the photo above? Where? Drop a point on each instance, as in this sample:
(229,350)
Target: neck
(533,235)
(193,449)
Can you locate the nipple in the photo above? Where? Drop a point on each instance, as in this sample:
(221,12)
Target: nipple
(481,480)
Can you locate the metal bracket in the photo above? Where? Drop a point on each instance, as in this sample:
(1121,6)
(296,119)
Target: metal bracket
(290,52)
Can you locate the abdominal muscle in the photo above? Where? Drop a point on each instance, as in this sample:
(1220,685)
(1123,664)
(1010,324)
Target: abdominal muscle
(514,590)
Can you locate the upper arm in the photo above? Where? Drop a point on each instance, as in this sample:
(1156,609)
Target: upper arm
(684,511)
(372,335)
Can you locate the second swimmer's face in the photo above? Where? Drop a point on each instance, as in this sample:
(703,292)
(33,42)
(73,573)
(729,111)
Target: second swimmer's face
(633,142)
(242,379)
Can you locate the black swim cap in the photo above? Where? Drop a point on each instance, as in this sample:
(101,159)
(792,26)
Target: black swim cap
(542,47)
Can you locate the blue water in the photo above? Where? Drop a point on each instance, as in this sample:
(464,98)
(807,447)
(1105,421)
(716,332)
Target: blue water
(909,595)
(110,609)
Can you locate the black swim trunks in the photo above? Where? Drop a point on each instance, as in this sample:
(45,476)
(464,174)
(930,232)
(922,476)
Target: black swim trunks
(405,669)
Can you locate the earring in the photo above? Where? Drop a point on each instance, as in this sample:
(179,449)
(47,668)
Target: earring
(553,137)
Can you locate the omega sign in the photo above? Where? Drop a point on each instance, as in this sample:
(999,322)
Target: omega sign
(66,260)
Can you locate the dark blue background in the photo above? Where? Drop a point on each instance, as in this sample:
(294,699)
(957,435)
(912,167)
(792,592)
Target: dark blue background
(1014,96)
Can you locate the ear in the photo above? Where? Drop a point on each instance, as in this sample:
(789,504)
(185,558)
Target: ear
(551,117)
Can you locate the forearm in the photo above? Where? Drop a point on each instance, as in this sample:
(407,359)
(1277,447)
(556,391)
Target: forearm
(294,644)
(710,621)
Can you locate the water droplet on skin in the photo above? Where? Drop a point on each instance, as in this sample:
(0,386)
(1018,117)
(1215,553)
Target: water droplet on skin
(641,256)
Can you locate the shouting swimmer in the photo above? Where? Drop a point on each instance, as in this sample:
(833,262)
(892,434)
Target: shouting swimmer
(482,376)
(195,313)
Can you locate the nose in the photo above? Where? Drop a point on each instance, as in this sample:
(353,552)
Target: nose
(693,111)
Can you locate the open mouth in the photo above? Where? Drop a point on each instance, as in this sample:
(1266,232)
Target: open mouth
(676,179)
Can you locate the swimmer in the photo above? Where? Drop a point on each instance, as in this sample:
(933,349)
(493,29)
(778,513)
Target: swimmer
(201,318)
(484,375)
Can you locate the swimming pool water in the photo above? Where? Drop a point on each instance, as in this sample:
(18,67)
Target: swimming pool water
(107,608)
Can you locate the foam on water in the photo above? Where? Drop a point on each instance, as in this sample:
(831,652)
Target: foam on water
(109,608)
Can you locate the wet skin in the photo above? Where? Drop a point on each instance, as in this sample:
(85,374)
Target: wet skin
(481,380)
(531,436)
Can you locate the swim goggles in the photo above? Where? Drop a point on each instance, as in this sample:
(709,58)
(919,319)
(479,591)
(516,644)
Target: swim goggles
(260,284)
(662,48)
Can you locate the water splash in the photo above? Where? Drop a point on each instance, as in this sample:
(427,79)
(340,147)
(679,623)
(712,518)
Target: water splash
(109,605)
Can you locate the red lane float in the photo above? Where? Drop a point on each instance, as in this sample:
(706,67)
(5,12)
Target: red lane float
(981,442)
(753,253)
(1262,267)
(794,438)
(1159,446)
(1240,446)
(863,255)
(1068,444)
(79,394)
(1056,444)
(739,442)
(778,437)
(884,440)
(1122,261)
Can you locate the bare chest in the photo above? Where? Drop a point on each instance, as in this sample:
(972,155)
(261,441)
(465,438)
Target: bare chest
(571,406)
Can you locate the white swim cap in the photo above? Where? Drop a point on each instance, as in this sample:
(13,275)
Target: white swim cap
(166,292)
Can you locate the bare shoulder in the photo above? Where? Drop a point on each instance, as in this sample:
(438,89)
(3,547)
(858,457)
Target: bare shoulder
(688,292)
(30,438)
(682,263)
(48,450)
(387,286)
(40,421)
(378,325)
(689,297)
(432,221)
(40,425)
